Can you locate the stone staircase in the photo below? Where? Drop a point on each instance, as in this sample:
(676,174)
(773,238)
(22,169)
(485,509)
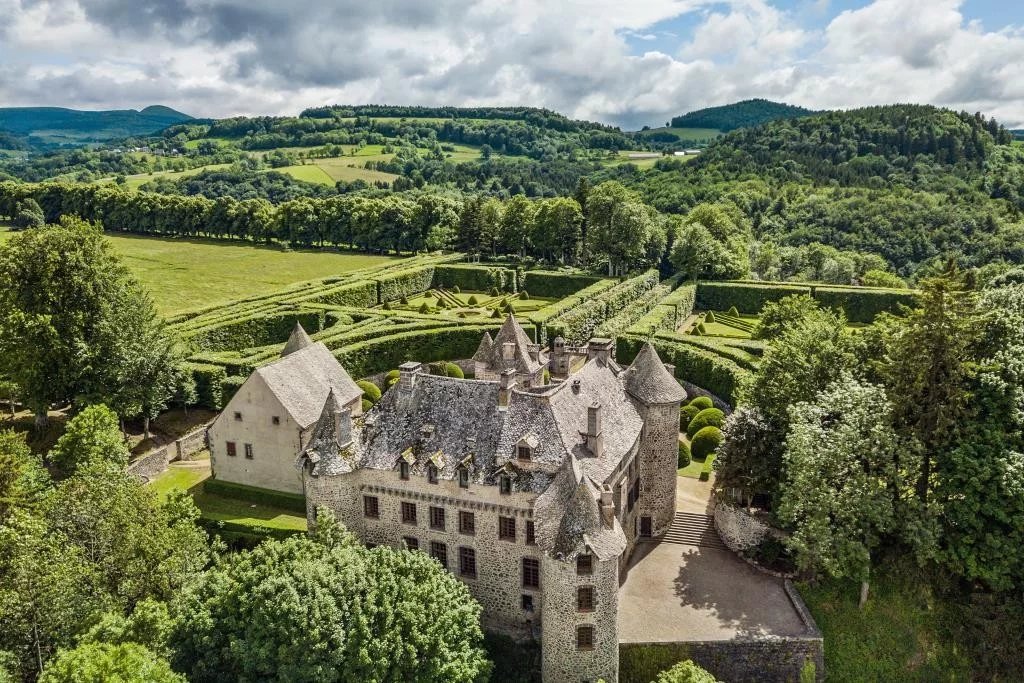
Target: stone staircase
(689,528)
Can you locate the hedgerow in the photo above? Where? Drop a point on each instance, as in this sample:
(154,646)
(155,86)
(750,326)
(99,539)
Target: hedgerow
(258,330)
(861,304)
(404,283)
(383,353)
(668,314)
(541,317)
(719,375)
(577,325)
(746,297)
(475,278)
(548,285)
(209,381)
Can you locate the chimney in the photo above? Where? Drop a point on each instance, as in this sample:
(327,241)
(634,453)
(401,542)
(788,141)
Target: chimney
(343,427)
(534,350)
(508,350)
(595,440)
(506,382)
(406,372)
(600,348)
(607,507)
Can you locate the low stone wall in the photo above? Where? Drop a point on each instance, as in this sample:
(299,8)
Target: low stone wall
(738,530)
(693,391)
(155,461)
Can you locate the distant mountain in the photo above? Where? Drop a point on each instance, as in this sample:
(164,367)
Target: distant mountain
(47,127)
(739,115)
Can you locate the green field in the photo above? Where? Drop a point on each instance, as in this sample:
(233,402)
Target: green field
(183,274)
(134,182)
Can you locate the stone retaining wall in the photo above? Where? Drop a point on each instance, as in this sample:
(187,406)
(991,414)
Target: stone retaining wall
(155,461)
(738,530)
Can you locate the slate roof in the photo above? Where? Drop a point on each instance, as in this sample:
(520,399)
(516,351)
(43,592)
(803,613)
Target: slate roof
(297,341)
(302,380)
(483,352)
(650,381)
(521,360)
(323,452)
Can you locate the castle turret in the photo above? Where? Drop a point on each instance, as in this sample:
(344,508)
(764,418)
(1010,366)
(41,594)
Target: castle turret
(658,396)
(297,341)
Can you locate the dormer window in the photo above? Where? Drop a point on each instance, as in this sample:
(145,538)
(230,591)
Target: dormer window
(463,478)
(523,452)
(431,474)
(403,470)
(505,484)
(525,447)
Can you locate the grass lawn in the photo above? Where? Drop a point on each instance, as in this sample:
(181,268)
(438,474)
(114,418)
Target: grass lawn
(182,274)
(693,469)
(189,476)
(481,309)
(900,635)
(309,173)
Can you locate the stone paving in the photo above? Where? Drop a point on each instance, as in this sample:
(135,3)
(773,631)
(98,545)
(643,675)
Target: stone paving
(676,593)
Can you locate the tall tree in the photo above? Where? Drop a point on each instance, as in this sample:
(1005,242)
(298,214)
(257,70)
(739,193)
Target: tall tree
(90,436)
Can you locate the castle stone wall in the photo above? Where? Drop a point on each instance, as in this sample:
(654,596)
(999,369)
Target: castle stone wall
(659,453)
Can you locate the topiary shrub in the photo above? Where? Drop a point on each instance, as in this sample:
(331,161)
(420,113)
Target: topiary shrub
(702,402)
(391,379)
(710,317)
(371,391)
(404,300)
(733,312)
(424,308)
(496,313)
(684,454)
(686,415)
(387,306)
(510,309)
(456,290)
(494,291)
(366,405)
(524,295)
(453,370)
(705,442)
(709,417)
(473,301)
(701,329)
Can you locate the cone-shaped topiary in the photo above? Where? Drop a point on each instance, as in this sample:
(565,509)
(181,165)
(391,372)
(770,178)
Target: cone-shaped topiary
(705,442)
(371,391)
(456,290)
(510,308)
(684,454)
(473,301)
(702,402)
(733,312)
(404,300)
(700,328)
(524,295)
(710,317)
(496,313)
(709,417)
(387,306)
(453,370)
(494,291)
(424,308)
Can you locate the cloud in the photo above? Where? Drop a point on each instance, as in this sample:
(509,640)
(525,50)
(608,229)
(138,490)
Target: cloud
(603,59)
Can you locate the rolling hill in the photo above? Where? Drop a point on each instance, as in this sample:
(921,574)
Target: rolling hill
(47,127)
(739,115)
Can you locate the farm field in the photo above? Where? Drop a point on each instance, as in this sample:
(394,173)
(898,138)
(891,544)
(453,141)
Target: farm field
(134,182)
(182,274)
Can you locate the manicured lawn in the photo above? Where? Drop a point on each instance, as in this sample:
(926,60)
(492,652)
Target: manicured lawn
(183,274)
(187,476)
(900,635)
(693,469)
(481,309)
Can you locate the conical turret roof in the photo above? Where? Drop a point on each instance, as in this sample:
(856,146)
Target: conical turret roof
(297,341)
(483,352)
(650,381)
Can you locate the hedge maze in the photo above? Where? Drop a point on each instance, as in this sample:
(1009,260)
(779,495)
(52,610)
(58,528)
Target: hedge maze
(433,308)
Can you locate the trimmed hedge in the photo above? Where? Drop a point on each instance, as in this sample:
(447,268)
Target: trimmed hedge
(686,415)
(230,386)
(577,325)
(553,285)
(256,330)
(860,304)
(705,442)
(360,294)
(721,376)
(404,283)
(385,352)
(746,297)
(669,314)
(371,392)
(684,457)
(475,278)
(708,417)
(209,381)
(541,317)
(701,403)
(294,502)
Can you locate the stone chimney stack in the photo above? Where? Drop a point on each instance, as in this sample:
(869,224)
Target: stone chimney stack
(406,372)
(600,348)
(534,350)
(506,382)
(595,438)
(607,507)
(343,426)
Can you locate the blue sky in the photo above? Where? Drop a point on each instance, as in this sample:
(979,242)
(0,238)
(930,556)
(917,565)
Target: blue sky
(625,62)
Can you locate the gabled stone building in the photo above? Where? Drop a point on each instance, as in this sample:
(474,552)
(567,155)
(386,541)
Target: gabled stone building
(534,494)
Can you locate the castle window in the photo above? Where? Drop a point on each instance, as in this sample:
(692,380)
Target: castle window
(231,448)
(463,478)
(431,474)
(411,543)
(371,506)
(403,470)
(585,638)
(523,452)
(276,420)
(437,518)
(248,451)
(527,602)
(507,529)
(585,599)
(531,573)
(530,539)
(439,551)
(585,565)
(467,562)
(505,485)
(238,417)
(467,523)
(408,513)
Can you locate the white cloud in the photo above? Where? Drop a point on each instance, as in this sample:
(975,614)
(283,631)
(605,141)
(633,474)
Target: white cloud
(224,57)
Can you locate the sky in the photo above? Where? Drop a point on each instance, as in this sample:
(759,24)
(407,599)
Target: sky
(623,62)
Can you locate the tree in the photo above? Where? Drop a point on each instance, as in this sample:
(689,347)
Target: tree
(91,435)
(341,612)
(22,476)
(29,214)
(102,662)
(618,226)
(64,301)
(844,466)
(685,672)
(747,459)
(776,316)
